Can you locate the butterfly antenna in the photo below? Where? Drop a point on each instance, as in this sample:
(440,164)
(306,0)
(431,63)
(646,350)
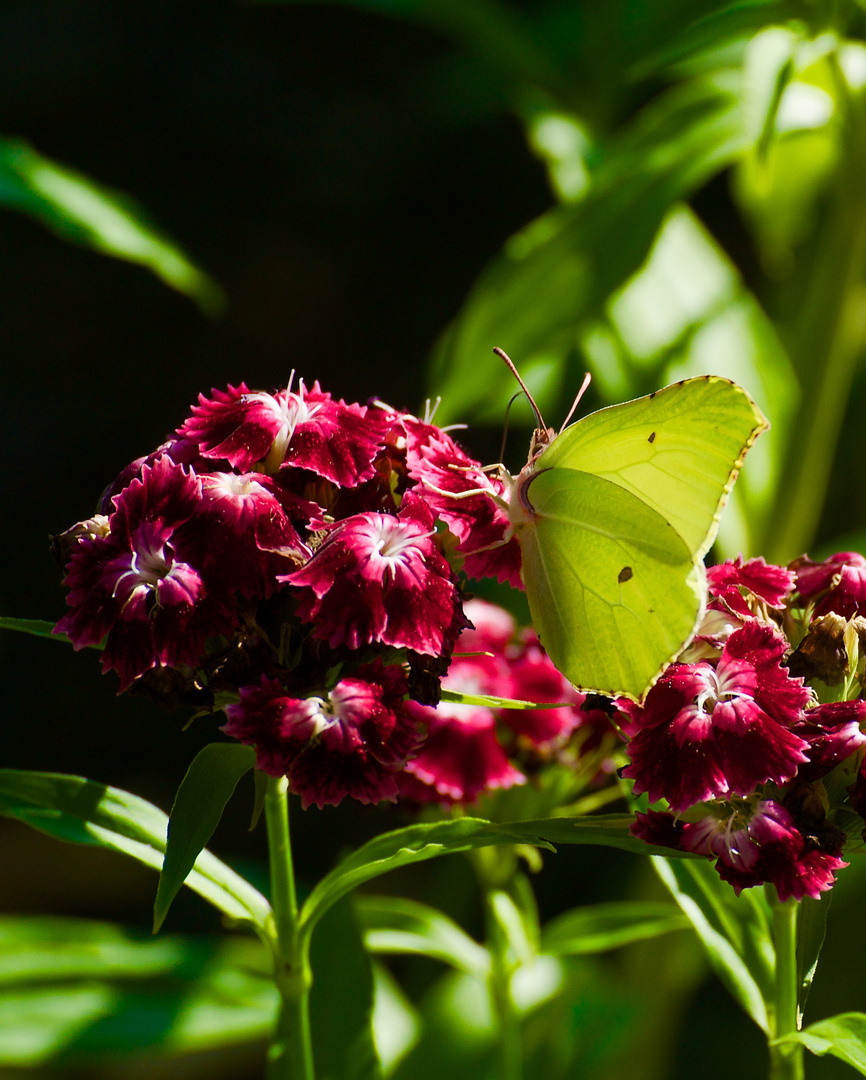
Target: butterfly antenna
(586,381)
(514,398)
(504,356)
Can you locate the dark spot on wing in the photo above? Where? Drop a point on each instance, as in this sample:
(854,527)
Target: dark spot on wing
(624,575)
(652,437)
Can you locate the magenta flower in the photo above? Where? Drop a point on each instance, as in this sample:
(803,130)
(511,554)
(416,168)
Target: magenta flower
(381,578)
(244,531)
(751,844)
(307,430)
(838,584)
(480,522)
(739,585)
(768,847)
(833,734)
(353,740)
(465,753)
(139,586)
(461,757)
(706,732)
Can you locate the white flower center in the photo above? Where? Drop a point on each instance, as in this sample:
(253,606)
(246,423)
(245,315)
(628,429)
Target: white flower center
(292,410)
(394,544)
(148,566)
(717,688)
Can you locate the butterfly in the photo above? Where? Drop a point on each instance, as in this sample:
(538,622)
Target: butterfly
(614,516)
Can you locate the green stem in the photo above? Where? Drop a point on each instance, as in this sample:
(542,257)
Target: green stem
(509,1036)
(786,1060)
(290,1055)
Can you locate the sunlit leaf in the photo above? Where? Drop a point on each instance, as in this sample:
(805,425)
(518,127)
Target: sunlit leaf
(396,1022)
(687,312)
(842,1036)
(490,701)
(607,830)
(77,208)
(85,812)
(403,847)
(198,807)
(734,931)
(556,275)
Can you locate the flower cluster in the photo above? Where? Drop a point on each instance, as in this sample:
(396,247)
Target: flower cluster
(472,749)
(760,770)
(297,560)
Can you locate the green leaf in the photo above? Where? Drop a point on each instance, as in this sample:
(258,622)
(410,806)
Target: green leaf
(403,847)
(734,931)
(38,627)
(608,830)
(811,929)
(489,701)
(341,1000)
(74,991)
(396,1022)
(687,312)
(600,927)
(85,812)
(198,806)
(79,209)
(394,925)
(557,274)
(842,1036)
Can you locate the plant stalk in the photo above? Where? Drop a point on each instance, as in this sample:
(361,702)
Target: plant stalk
(502,965)
(290,1055)
(786,1059)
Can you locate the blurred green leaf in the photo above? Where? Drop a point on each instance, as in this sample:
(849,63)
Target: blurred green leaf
(396,1021)
(779,180)
(556,274)
(198,806)
(733,930)
(687,312)
(85,812)
(76,991)
(341,1000)
(600,927)
(842,1036)
(394,925)
(79,209)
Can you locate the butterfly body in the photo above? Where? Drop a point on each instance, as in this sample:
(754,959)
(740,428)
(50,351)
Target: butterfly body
(614,516)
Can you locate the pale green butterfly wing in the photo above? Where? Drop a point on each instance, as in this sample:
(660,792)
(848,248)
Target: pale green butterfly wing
(678,450)
(614,591)
(614,518)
